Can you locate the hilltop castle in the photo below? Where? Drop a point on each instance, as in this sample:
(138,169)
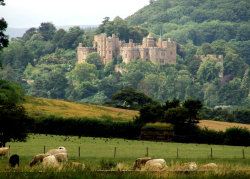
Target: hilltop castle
(160,52)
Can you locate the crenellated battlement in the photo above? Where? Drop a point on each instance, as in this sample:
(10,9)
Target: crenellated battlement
(160,52)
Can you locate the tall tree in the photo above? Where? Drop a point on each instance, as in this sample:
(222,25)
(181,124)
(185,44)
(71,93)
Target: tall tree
(47,30)
(3,26)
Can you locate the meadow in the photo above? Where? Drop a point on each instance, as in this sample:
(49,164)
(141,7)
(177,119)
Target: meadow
(37,107)
(95,150)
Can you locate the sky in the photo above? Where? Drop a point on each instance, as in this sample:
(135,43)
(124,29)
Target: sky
(30,13)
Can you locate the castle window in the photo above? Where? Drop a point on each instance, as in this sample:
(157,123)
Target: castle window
(171,53)
(109,52)
(126,56)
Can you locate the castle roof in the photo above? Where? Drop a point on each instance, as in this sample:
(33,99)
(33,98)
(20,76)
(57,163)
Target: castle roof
(150,36)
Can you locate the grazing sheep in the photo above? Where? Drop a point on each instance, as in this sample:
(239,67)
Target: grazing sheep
(5,151)
(189,166)
(141,162)
(50,162)
(209,166)
(155,164)
(61,157)
(38,159)
(13,161)
(57,151)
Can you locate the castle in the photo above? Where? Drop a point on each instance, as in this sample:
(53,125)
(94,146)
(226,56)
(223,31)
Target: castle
(160,52)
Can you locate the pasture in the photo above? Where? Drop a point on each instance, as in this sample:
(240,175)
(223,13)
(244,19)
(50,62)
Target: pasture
(37,107)
(93,150)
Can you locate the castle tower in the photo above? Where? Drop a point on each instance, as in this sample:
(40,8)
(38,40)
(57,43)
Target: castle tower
(150,40)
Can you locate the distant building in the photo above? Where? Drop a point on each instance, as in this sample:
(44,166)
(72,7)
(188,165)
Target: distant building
(160,52)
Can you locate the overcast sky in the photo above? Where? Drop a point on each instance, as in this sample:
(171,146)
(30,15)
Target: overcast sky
(30,13)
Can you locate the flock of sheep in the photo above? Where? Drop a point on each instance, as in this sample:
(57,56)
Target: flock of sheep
(54,158)
(57,158)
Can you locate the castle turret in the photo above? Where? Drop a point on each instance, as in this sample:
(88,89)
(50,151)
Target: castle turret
(150,40)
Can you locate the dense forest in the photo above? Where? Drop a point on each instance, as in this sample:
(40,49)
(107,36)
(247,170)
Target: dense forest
(43,61)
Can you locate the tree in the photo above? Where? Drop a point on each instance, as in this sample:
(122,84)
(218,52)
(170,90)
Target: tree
(193,106)
(15,124)
(209,70)
(95,58)
(10,93)
(84,72)
(3,26)
(47,30)
(131,98)
(56,84)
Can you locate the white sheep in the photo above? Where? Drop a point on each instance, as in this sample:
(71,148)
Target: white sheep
(209,166)
(155,164)
(5,151)
(50,162)
(189,166)
(57,151)
(61,157)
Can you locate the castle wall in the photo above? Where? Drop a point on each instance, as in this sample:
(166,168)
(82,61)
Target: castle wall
(160,52)
(82,52)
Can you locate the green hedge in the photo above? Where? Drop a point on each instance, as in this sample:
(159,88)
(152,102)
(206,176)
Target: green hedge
(86,127)
(130,130)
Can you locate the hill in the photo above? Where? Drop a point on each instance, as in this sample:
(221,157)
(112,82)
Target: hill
(198,21)
(43,107)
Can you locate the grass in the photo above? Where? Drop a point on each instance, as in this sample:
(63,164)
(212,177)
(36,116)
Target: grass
(44,107)
(97,153)
(221,126)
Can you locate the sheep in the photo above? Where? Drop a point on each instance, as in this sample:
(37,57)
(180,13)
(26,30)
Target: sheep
(50,162)
(61,157)
(141,162)
(38,159)
(5,151)
(155,164)
(56,151)
(209,166)
(189,166)
(13,161)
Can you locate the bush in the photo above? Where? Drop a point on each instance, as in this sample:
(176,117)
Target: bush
(86,127)
(237,136)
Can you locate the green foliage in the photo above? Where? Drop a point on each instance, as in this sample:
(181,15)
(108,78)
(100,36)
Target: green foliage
(10,93)
(237,136)
(120,28)
(129,98)
(14,123)
(3,26)
(47,30)
(84,72)
(94,58)
(209,70)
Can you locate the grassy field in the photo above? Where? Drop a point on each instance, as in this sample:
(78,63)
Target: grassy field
(95,150)
(221,126)
(42,106)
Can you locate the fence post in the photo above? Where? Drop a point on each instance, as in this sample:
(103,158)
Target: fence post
(147,151)
(211,152)
(177,153)
(44,149)
(243,152)
(115,152)
(79,152)
(9,151)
